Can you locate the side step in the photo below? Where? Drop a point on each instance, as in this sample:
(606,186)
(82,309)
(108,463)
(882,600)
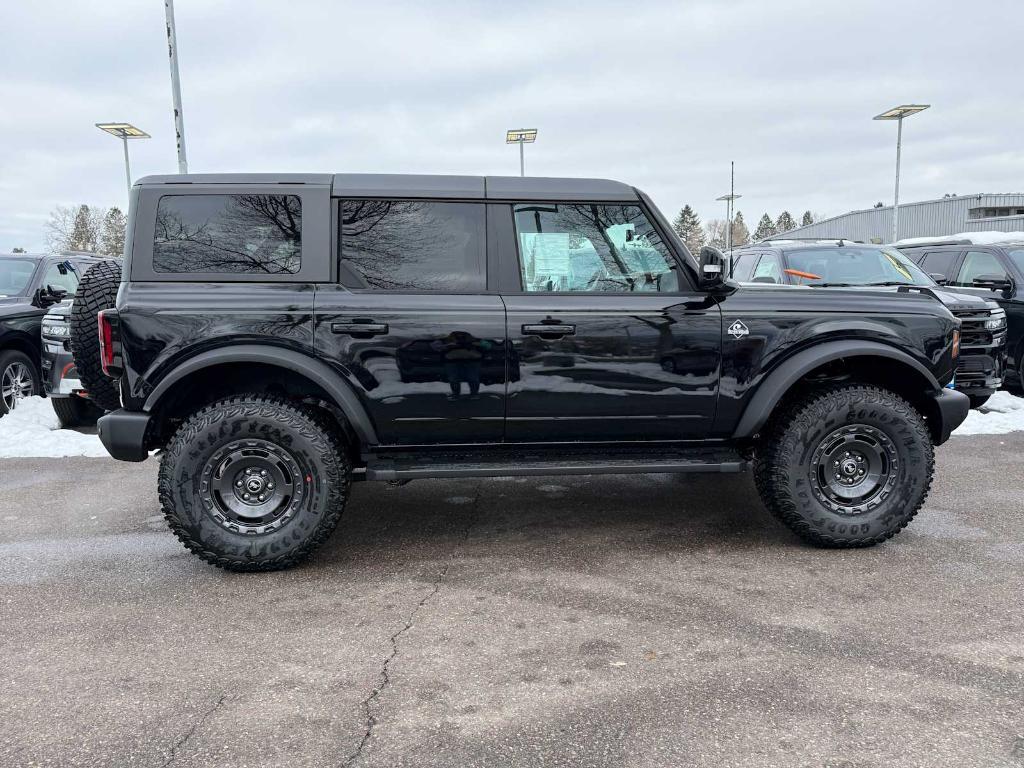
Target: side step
(510,462)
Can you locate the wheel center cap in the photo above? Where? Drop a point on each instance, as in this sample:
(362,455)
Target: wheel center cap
(849,467)
(254,485)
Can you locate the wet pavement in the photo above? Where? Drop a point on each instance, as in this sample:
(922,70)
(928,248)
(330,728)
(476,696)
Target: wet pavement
(638,620)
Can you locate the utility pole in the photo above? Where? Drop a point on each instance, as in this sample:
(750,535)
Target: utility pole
(179,120)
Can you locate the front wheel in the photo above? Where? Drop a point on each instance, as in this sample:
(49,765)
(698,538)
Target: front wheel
(253,483)
(847,467)
(18,379)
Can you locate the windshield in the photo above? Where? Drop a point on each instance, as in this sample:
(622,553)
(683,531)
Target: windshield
(15,275)
(853,265)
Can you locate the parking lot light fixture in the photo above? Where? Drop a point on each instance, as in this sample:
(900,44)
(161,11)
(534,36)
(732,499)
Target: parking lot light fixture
(124,131)
(521,136)
(897,114)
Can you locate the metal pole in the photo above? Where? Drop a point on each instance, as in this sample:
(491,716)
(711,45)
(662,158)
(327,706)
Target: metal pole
(127,165)
(896,196)
(732,190)
(522,158)
(179,121)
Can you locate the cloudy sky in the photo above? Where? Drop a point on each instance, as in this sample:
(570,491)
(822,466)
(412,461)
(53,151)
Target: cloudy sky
(662,95)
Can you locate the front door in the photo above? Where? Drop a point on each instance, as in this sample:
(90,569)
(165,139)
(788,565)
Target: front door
(411,322)
(608,340)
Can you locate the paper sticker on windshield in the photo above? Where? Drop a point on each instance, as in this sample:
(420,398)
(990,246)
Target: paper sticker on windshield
(738,330)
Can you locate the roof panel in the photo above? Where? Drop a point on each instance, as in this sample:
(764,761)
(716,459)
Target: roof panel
(238,178)
(542,188)
(407,185)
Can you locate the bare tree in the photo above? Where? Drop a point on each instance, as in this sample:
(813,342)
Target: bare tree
(715,231)
(74,228)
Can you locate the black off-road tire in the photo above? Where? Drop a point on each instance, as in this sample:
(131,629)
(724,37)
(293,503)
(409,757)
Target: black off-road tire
(787,464)
(273,433)
(75,411)
(97,291)
(978,400)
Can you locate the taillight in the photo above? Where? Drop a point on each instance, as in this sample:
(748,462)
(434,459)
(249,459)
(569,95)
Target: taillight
(110,353)
(956,343)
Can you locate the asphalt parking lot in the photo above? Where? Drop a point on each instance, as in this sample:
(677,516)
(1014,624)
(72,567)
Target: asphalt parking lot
(639,620)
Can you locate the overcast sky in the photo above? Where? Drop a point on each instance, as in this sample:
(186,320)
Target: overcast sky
(661,95)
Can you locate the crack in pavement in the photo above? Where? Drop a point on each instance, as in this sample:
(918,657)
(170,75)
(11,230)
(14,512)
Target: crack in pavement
(191,731)
(385,673)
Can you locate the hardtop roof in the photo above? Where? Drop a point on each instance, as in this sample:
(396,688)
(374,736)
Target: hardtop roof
(401,185)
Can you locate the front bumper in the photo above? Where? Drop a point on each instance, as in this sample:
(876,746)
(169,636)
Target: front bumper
(123,434)
(949,409)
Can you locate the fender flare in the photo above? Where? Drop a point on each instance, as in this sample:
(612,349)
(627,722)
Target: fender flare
(770,391)
(315,370)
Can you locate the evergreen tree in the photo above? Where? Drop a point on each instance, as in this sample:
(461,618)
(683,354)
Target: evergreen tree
(83,232)
(18,250)
(687,225)
(112,234)
(807,218)
(740,233)
(765,229)
(784,223)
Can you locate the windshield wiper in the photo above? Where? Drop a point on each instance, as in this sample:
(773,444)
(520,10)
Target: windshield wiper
(829,285)
(884,283)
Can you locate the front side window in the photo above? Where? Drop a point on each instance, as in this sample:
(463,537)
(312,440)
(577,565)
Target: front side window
(743,266)
(592,248)
(234,234)
(401,245)
(768,270)
(977,264)
(60,276)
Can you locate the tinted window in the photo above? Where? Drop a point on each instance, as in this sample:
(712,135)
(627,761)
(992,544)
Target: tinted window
(587,247)
(14,276)
(236,234)
(853,265)
(976,264)
(940,262)
(59,276)
(396,245)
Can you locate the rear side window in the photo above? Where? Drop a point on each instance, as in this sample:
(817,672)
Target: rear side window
(234,234)
(402,245)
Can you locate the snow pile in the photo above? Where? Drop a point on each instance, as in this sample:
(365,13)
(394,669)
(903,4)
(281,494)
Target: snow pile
(1001,414)
(976,238)
(32,429)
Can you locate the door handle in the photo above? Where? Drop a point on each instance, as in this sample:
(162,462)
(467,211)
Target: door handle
(360,328)
(549,331)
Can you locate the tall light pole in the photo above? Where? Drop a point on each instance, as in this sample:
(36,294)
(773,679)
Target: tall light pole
(897,114)
(521,136)
(124,131)
(179,119)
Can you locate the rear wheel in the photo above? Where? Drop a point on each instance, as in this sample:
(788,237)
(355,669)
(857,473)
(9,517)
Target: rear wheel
(848,467)
(97,291)
(75,411)
(18,379)
(253,483)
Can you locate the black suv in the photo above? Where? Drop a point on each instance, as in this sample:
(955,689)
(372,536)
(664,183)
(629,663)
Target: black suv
(271,332)
(992,271)
(29,284)
(860,266)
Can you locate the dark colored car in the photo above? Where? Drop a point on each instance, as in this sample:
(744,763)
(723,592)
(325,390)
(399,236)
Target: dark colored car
(846,264)
(29,285)
(993,272)
(269,331)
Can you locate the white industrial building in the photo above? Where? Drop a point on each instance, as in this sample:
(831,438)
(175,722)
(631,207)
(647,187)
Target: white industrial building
(945,216)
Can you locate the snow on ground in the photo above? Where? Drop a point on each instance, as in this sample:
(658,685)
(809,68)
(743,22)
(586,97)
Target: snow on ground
(1001,414)
(976,238)
(32,429)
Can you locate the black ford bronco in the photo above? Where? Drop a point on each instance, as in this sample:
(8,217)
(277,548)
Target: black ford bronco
(276,337)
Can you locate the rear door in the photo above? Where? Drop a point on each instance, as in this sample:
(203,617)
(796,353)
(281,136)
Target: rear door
(608,340)
(412,322)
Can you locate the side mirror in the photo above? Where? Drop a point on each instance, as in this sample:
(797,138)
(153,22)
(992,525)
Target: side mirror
(712,268)
(47,296)
(993,283)
(938,277)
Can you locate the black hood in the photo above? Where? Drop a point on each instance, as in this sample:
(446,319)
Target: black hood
(11,306)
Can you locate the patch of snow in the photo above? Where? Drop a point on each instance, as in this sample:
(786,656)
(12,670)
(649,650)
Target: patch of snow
(32,430)
(1001,414)
(976,238)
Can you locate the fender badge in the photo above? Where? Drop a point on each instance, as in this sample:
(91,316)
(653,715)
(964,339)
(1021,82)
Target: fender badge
(738,330)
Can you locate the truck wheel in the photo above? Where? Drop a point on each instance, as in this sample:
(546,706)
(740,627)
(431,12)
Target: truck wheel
(96,291)
(847,467)
(253,483)
(75,411)
(18,379)
(978,400)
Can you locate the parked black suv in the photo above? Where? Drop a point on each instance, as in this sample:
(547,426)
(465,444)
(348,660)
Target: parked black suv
(29,284)
(991,271)
(860,266)
(262,341)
